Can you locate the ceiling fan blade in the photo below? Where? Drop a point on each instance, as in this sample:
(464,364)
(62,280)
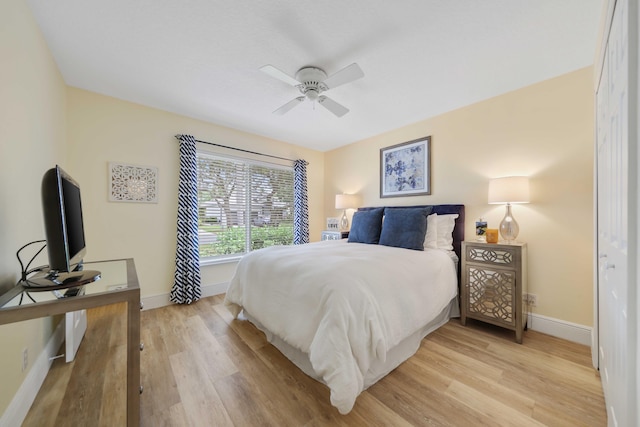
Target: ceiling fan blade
(289,105)
(280,75)
(346,75)
(332,106)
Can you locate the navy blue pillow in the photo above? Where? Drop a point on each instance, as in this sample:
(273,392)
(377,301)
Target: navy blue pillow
(366,226)
(405,227)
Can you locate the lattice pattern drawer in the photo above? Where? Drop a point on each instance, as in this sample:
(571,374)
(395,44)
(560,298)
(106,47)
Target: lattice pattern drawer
(497,256)
(491,293)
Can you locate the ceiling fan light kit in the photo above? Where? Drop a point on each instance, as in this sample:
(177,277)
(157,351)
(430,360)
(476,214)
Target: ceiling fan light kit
(312,82)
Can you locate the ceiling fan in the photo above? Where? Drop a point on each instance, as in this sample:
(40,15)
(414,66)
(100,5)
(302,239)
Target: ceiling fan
(312,82)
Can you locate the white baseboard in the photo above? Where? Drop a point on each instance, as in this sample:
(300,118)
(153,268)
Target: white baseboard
(17,410)
(560,328)
(162,300)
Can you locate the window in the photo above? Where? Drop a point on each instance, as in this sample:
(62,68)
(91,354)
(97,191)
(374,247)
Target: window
(242,205)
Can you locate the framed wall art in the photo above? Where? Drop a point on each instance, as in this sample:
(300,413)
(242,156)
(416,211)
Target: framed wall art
(405,169)
(132,183)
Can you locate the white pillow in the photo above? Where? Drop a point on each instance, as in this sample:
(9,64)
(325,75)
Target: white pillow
(431,238)
(445,231)
(440,231)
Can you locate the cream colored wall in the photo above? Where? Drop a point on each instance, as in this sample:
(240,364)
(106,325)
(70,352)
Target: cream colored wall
(103,129)
(544,131)
(32,139)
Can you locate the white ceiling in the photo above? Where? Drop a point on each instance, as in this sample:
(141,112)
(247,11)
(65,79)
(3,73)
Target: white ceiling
(200,58)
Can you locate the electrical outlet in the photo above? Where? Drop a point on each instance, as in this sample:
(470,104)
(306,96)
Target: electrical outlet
(530,299)
(25,359)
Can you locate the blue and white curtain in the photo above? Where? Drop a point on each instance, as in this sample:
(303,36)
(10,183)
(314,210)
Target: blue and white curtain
(300,206)
(186,287)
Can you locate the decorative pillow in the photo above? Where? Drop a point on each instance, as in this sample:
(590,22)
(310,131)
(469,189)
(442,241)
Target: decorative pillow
(431,238)
(445,231)
(405,227)
(366,226)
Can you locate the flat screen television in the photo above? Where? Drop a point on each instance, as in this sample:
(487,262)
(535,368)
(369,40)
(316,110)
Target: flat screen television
(64,231)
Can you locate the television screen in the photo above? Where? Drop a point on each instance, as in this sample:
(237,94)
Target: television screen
(64,227)
(72,207)
(64,231)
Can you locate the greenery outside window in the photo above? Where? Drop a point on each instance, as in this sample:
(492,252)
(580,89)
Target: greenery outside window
(243,205)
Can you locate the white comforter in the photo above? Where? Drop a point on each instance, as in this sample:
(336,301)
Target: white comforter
(345,304)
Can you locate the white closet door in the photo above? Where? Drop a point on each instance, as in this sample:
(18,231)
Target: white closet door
(617,345)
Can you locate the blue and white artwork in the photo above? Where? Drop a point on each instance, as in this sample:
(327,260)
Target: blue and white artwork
(405,169)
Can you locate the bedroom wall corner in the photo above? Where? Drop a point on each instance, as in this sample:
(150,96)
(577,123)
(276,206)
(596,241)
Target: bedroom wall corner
(32,139)
(544,131)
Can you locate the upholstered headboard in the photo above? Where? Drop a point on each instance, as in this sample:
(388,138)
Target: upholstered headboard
(458,230)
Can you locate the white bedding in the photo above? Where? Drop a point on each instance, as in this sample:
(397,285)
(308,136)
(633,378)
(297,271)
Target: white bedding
(344,304)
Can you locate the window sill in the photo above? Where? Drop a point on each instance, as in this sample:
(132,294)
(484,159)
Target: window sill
(217,261)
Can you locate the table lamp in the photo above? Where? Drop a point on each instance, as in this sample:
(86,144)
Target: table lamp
(509,190)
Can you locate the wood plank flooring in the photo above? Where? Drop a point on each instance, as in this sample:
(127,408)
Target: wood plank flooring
(200,367)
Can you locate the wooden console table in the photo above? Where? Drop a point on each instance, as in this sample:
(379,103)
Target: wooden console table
(119,283)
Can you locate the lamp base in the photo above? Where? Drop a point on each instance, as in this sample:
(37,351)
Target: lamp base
(509,228)
(344,221)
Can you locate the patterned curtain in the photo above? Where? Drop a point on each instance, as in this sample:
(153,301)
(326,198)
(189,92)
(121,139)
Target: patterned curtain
(300,208)
(186,287)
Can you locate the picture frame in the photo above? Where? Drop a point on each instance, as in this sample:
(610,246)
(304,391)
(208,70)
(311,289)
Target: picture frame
(405,169)
(481,230)
(333,224)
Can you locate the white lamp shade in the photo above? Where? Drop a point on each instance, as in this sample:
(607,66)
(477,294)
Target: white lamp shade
(510,189)
(347,201)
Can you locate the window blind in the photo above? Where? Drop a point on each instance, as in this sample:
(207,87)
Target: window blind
(243,205)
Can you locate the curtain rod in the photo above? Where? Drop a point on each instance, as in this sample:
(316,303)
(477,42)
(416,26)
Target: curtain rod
(238,149)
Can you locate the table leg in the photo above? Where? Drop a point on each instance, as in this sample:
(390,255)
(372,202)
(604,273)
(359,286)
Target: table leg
(133,362)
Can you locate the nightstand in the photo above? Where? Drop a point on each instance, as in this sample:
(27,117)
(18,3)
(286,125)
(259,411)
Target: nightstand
(334,235)
(494,280)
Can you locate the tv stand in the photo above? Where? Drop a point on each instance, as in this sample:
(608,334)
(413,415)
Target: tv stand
(119,283)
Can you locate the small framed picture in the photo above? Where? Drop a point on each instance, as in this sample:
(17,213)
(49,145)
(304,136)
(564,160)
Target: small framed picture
(481,229)
(333,224)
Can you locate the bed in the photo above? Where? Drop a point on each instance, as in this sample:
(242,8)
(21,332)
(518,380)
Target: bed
(348,312)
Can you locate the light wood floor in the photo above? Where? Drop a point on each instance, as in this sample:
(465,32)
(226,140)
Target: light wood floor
(202,368)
